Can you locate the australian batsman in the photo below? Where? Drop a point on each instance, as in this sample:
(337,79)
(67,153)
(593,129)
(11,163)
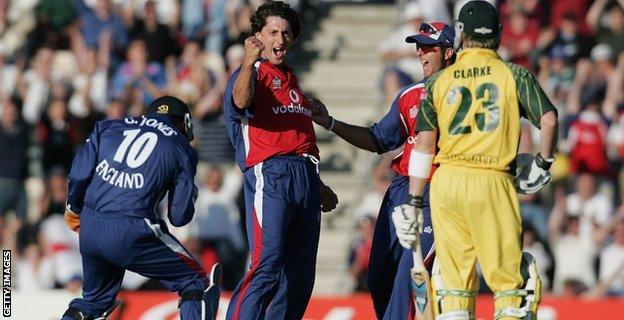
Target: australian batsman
(474,108)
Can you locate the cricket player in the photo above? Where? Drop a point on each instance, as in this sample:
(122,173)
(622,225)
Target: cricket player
(116,181)
(269,123)
(474,108)
(389,265)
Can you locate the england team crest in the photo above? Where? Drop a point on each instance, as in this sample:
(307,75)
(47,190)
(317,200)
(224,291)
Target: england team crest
(277,83)
(413,111)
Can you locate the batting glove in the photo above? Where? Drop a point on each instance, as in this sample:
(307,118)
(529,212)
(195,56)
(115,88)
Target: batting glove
(531,178)
(408,221)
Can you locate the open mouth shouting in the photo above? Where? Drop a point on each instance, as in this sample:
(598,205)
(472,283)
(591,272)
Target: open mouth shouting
(426,66)
(279,53)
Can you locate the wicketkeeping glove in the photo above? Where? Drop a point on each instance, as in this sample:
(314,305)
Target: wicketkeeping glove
(408,221)
(531,173)
(72,219)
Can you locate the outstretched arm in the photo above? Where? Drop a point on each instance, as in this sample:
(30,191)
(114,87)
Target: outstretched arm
(355,135)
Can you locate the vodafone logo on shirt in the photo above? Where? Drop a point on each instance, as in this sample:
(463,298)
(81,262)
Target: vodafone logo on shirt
(293,107)
(294,96)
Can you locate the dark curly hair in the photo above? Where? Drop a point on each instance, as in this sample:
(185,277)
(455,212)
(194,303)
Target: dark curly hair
(275,9)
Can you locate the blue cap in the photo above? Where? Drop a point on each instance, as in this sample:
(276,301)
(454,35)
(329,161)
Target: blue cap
(433,34)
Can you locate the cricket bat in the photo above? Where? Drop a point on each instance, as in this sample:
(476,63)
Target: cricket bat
(421,285)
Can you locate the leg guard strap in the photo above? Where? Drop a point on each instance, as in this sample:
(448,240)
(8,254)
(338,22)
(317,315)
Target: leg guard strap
(456,293)
(191,295)
(510,293)
(456,315)
(530,293)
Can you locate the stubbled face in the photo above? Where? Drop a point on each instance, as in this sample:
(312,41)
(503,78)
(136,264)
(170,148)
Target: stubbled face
(431,58)
(277,38)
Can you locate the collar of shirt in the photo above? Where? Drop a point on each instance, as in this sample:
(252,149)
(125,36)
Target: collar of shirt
(470,52)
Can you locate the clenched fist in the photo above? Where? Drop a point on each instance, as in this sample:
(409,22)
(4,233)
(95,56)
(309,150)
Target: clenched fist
(253,50)
(329,199)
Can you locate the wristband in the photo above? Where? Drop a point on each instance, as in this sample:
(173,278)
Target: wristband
(332,122)
(416,201)
(419,164)
(543,163)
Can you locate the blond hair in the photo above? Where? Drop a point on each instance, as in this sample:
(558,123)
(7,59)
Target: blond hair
(470,42)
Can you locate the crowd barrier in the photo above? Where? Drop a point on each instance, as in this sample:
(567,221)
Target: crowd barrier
(156,305)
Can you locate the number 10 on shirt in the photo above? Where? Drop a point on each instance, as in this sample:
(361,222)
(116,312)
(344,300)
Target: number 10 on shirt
(140,150)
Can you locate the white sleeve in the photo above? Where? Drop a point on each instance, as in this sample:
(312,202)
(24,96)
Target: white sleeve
(231,184)
(573,205)
(99,88)
(33,105)
(602,209)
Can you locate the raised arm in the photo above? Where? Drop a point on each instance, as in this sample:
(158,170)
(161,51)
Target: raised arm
(614,90)
(556,216)
(243,87)
(593,15)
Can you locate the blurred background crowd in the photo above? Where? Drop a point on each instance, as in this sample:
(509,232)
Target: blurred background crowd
(65,64)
